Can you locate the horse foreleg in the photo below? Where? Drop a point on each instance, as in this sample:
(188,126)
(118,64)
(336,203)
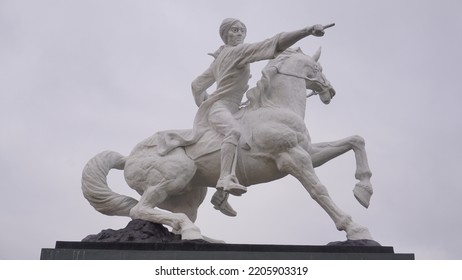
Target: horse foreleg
(324,152)
(298,163)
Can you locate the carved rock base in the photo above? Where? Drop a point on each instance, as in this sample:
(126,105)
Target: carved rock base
(138,231)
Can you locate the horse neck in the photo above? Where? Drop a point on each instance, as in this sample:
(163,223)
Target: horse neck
(287,92)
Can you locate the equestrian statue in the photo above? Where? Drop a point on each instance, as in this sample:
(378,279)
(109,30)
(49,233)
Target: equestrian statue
(234,145)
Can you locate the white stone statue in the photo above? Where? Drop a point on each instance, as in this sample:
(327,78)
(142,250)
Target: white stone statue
(233,145)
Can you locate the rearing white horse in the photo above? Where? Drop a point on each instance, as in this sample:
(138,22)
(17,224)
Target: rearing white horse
(274,143)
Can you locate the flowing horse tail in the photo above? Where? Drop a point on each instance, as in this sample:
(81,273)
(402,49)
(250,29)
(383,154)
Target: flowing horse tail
(96,190)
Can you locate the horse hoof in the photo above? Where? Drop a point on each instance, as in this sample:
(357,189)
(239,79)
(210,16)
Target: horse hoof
(359,233)
(363,194)
(357,242)
(213,240)
(191,233)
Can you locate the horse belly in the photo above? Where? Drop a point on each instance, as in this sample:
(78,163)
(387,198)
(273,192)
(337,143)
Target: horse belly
(255,169)
(251,169)
(208,170)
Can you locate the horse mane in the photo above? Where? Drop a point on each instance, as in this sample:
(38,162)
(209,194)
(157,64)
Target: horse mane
(256,95)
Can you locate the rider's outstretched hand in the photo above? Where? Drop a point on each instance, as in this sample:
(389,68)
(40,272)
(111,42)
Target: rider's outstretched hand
(317,30)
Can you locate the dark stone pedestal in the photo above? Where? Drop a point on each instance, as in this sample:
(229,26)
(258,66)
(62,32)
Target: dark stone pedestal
(143,240)
(207,251)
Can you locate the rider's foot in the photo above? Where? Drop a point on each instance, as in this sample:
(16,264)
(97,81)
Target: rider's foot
(220,202)
(231,185)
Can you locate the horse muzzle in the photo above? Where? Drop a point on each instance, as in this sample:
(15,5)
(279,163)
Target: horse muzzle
(326,95)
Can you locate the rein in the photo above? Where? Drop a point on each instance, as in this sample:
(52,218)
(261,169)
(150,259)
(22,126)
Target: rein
(303,78)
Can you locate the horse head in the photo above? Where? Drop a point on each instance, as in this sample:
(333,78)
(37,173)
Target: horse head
(297,64)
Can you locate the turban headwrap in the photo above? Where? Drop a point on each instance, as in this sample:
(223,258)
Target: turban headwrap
(224,29)
(226,26)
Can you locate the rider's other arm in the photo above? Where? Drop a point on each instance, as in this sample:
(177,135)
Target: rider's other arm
(200,85)
(287,39)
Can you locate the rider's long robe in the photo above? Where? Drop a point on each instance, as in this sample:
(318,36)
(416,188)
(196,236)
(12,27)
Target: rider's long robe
(231,71)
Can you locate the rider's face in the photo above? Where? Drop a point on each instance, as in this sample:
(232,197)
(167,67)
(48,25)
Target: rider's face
(236,34)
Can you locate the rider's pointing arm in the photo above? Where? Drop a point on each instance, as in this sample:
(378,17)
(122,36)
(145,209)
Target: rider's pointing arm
(248,53)
(287,39)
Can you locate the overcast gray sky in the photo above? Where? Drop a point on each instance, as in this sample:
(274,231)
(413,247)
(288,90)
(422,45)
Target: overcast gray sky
(80,77)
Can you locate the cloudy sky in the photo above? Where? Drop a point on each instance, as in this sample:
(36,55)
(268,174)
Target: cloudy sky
(80,77)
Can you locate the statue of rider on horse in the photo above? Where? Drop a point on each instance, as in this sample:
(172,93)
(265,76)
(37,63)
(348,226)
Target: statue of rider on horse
(230,146)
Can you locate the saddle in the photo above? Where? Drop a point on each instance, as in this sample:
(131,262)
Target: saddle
(198,142)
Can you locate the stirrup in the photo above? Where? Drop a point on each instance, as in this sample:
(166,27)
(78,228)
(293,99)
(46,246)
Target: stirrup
(229,185)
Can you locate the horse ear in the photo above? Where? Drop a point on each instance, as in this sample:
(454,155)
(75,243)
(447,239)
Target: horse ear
(317,54)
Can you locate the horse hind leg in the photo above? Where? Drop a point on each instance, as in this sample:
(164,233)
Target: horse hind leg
(298,163)
(170,176)
(188,203)
(324,152)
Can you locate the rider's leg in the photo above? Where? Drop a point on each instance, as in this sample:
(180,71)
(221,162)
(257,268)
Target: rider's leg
(228,180)
(223,122)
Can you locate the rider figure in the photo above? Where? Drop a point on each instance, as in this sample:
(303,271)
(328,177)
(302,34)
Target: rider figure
(231,71)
